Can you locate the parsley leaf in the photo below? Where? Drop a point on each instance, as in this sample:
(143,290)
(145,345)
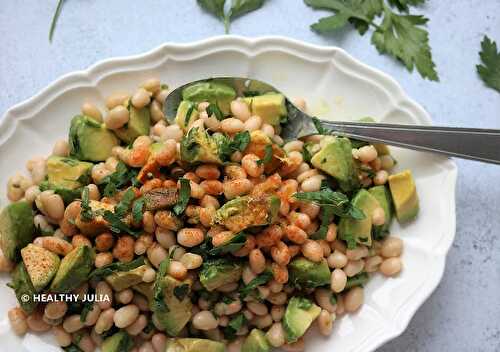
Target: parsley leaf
(184,194)
(399,35)
(189,113)
(240,141)
(489,71)
(116,224)
(181,291)
(404,5)
(234,244)
(111,268)
(268,155)
(122,176)
(337,202)
(234,325)
(262,279)
(87,308)
(326,219)
(319,127)
(357,280)
(238,8)
(158,304)
(213,109)
(86,214)
(124,205)
(137,210)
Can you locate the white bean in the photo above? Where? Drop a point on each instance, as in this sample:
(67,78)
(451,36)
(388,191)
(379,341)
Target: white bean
(126,315)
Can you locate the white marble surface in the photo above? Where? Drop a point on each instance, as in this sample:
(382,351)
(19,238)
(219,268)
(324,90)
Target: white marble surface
(463,314)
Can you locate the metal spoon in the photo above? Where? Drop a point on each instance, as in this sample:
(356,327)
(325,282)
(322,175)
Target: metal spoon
(467,143)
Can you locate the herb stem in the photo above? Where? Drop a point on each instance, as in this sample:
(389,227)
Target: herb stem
(54,19)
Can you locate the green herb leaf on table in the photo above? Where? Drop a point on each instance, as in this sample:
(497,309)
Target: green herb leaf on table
(400,36)
(404,5)
(262,279)
(184,195)
(215,7)
(489,70)
(111,268)
(268,155)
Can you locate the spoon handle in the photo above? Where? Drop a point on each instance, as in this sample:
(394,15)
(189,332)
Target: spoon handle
(467,143)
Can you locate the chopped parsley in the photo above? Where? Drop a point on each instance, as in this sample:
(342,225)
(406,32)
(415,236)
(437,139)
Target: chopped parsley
(184,195)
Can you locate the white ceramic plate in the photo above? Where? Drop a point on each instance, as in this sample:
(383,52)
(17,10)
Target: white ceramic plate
(335,85)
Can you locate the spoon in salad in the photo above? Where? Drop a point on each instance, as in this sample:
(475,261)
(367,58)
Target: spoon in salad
(468,143)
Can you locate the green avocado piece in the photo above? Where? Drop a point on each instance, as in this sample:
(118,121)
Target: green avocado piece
(219,272)
(308,274)
(198,147)
(335,158)
(256,341)
(121,280)
(299,315)
(16,228)
(68,173)
(194,345)
(360,230)
(22,286)
(74,270)
(404,196)
(270,107)
(146,289)
(41,265)
(187,113)
(243,212)
(119,342)
(178,302)
(138,124)
(383,196)
(89,140)
(212,92)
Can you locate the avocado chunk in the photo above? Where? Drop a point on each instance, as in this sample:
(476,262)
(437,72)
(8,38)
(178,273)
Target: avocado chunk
(243,212)
(383,196)
(178,302)
(360,230)
(308,274)
(97,224)
(68,173)
(121,280)
(213,92)
(41,265)
(16,228)
(404,195)
(219,272)
(89,140)
(256,341)
(74,269)
(146,289)
(335,158)
(22,286)
(299,315)
(119,342)
(194,345)
(187,113)
(198,147)
(270,107)
(138,124)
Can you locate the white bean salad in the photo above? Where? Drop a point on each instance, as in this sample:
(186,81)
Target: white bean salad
(204,231)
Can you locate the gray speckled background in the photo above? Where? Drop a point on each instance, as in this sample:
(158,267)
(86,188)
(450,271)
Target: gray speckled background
(464,312)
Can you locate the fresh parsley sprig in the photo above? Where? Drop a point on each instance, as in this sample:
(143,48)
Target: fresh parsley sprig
(489,70)
(238,9)
(398,35)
